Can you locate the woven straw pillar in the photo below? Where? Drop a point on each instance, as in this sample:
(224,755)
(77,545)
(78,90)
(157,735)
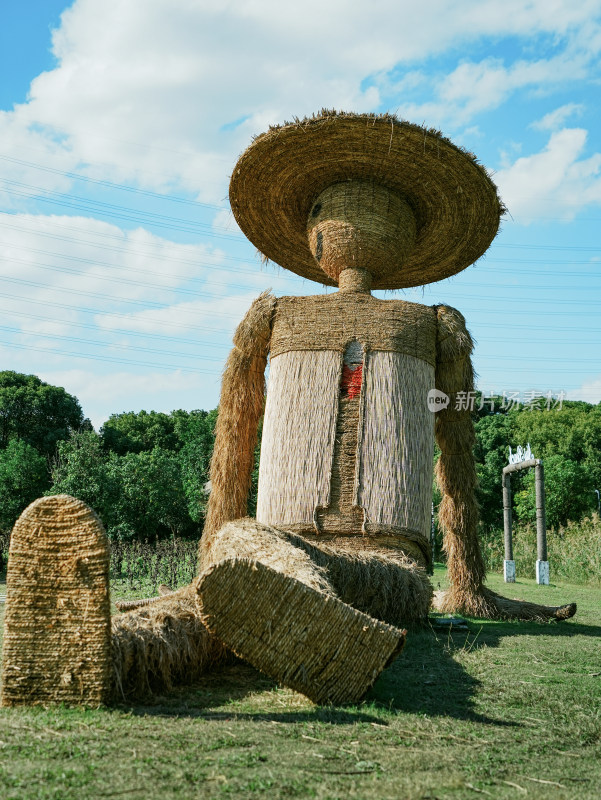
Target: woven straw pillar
(355,280)
(57,623)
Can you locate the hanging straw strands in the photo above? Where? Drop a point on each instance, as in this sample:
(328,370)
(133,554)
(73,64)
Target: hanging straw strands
(240,408)
(162,644)
(298,436)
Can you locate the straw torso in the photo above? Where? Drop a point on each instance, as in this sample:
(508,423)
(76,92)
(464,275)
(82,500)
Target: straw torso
(336,466)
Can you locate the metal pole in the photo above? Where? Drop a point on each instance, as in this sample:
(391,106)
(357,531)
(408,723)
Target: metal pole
(432,539)
(542,563)
(509,563)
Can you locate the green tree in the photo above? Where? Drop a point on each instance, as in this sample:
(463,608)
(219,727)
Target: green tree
(568,439)
(81,469)
(151,497)
(23,478)
(36,412)
(493,436)
(568,492)
(196,432)
(138,432)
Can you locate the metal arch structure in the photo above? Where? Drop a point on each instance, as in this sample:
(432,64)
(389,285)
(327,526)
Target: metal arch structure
(542,563)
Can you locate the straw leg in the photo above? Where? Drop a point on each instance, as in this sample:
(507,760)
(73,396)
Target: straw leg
(268,601)
(388,586)
(162,644)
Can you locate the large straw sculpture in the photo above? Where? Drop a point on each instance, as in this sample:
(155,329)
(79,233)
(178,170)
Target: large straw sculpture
(317,590)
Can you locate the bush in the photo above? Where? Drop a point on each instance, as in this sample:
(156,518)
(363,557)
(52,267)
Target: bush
(574,551)
(142,564)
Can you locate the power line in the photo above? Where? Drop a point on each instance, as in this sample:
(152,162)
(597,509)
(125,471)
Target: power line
(127,362)
(96,343)
(108,313)
(115,331)
(111,185)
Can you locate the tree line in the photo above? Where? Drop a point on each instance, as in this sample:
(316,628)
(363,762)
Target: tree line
(145,473)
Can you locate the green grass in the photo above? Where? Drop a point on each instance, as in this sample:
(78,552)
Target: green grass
(494,712)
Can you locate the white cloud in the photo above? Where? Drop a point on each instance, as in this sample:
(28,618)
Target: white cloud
(475,87)
(219,315)
(554,183)
(555,119)
(114,392)
(589,391)
(143,90)
(87,261)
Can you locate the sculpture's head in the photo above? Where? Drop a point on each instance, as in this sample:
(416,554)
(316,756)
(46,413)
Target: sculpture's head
(361,224)
(337,191)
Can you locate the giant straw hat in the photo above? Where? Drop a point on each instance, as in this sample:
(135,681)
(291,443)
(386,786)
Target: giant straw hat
(453,199)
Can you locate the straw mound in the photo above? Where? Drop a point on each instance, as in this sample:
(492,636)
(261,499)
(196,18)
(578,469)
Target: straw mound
(388,586)
(307,640)
(162,644)
(56,628)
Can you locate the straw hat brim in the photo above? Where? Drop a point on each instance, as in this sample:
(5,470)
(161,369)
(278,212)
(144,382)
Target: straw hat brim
(277,179)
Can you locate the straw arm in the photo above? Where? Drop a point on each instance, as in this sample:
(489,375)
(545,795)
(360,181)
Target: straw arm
(455,470)
(240,408)
(456,476)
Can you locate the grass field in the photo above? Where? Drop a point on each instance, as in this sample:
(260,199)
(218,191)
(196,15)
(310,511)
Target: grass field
(506,710)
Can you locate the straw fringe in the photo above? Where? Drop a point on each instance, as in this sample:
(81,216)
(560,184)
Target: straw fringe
(298,436)
(162,644)
(240,408)
(395,481)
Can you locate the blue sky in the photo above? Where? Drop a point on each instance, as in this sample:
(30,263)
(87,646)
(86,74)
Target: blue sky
(122,272)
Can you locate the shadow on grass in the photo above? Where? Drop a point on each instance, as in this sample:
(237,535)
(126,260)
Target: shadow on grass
(425,679)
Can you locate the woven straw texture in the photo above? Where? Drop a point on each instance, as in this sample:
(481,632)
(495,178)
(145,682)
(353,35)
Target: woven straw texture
(343,515)
(330,322)
(380,581)
(362,225)
(306,639)
(277,180)
(162,644)
(57,623)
